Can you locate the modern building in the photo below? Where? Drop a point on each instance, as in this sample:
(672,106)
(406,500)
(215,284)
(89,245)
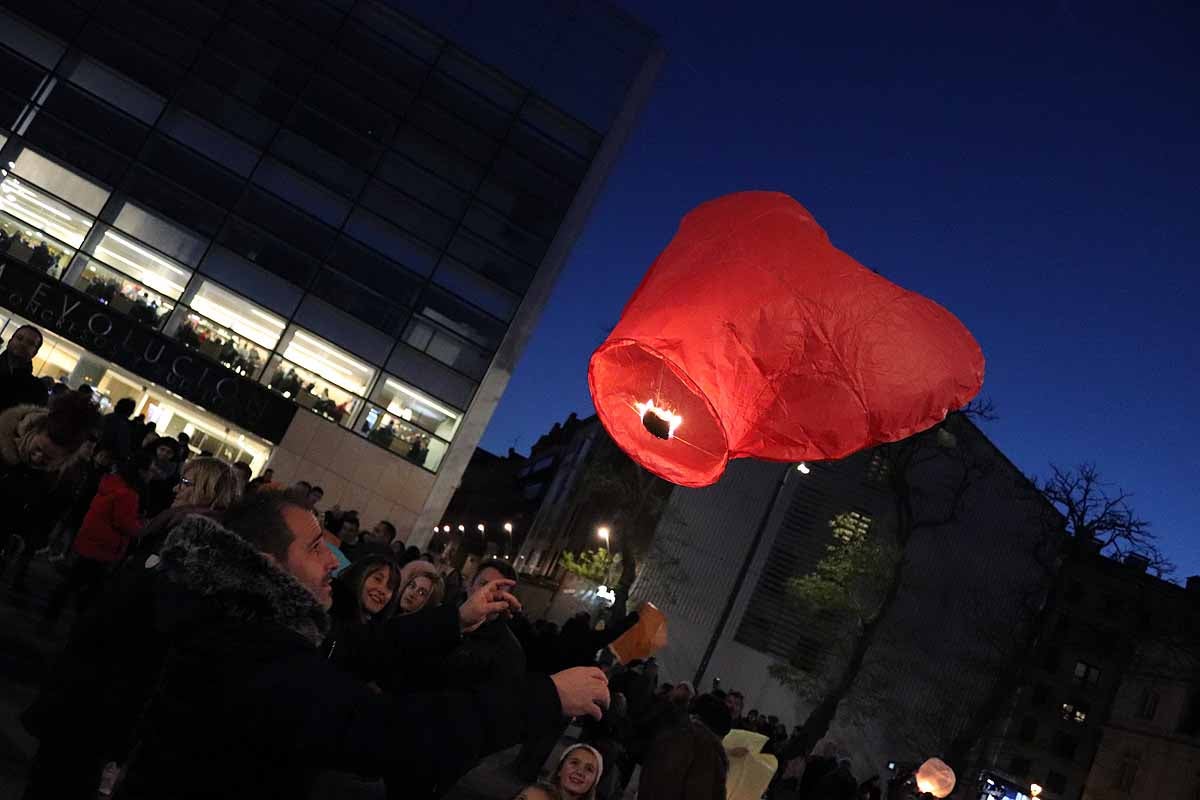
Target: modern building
(967,585)
(310,233)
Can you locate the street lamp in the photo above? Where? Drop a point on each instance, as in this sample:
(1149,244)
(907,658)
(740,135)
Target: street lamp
(508,527)
(480,527)
(462,528)
(1035,789)
(603,533)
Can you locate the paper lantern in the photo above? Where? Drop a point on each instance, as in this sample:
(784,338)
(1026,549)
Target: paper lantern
(644,639)
(752,335)
(750,772)
(935,777)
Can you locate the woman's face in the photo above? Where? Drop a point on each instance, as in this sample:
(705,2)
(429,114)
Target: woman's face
(185,490)
(45,453)
(416,594)
(377,590)
(578,773)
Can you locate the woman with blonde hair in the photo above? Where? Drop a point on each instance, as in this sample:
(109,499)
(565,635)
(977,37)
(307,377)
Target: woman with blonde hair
(579,771)
(207,486)
(421,586)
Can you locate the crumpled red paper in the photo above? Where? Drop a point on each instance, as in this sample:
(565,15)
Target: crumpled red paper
(771,343)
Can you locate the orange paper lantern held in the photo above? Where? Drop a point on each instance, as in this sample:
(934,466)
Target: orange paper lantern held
(752,335)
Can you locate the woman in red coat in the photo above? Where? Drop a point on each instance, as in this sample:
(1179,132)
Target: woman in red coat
(111,523)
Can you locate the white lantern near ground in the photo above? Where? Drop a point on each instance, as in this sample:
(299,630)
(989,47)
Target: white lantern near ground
(936,778)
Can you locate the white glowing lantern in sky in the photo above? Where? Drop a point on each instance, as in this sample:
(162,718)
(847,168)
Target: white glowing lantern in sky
(661,422)
(936,778)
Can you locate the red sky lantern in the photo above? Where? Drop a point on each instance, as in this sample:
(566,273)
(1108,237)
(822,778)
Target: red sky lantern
(752,336)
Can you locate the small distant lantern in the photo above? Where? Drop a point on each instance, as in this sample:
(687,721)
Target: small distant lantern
(751,335)
(936,778)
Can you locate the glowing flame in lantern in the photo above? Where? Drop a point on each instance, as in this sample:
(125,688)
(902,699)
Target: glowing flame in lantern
(659,421)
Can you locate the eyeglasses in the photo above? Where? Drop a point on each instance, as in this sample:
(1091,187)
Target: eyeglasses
(419,591)
(185,481)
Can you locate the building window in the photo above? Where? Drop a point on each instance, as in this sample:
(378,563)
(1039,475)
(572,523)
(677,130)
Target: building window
(122,293)
(312,391)
(35,208)
(879,469)
(329,362)
(238,314)
(142,264)
(850,525)
(1019,766)
(1074,712)
(166,237)
(1086,674)
(1148,704)
(1127,771)
(22,243)
(1056,782)
(415,407)
(402,438)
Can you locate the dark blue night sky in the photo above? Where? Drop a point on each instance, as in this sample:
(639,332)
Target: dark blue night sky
(1034,167)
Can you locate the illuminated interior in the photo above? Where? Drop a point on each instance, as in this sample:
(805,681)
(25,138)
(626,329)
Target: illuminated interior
(142,264)
(332,363)
(311,391)
(31,247)
(33,206)
(172,414)
(409,405)
(405,440)
(122,292)
(239,315)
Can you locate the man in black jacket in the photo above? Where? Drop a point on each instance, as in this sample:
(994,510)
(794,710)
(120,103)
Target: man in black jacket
(245,706)
(17,384)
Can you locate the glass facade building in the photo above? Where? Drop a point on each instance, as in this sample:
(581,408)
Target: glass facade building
(343,205)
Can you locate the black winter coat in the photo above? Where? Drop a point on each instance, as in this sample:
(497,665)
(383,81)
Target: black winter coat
(18,386)
(243,705)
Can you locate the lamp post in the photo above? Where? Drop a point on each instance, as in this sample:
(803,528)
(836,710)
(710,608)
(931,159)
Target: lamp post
(1035,789)
(508,528)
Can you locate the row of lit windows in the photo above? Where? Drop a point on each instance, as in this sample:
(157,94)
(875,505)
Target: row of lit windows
(127,274)
(474,269)
(447,329)
(117,265)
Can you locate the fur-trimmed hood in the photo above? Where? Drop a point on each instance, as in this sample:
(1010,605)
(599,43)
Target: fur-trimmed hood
(237,581)
(14,423)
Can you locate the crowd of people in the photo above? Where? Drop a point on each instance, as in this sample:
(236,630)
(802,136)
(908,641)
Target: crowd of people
(234,638)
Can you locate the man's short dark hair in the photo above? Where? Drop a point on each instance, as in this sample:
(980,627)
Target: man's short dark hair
(244,469)
(501,566)
(124,407)
(389,527)
(258,518)
(318,490)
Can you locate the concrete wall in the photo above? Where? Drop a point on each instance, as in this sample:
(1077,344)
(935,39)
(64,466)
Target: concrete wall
(354,473)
